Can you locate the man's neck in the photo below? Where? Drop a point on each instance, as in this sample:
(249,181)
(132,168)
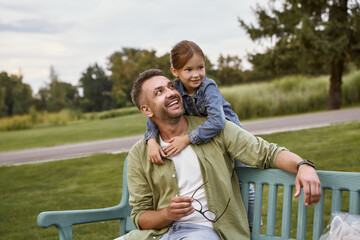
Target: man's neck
(168,131)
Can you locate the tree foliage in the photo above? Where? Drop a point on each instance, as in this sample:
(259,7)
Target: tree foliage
(15,96)
(128,63)
(57,95)
(96,89)
(229,70)
(308,37)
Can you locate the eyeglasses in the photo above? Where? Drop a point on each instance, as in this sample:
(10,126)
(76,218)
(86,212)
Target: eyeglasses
(208,214)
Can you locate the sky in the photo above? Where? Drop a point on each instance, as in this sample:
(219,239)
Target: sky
(71,35)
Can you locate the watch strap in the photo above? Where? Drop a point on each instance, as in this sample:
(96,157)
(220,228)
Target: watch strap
(305,161)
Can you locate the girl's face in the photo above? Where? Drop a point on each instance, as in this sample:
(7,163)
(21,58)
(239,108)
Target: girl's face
(192,74)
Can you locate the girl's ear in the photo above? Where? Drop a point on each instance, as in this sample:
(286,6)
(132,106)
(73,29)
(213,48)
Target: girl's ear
(145,109)
(174,72)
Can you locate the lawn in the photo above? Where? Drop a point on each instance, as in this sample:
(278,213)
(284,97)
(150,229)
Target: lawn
(75,132)
(95,181)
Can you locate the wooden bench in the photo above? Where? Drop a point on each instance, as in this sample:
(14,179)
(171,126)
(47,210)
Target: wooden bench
(269,179)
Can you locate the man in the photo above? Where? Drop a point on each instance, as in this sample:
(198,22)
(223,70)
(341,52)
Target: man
(195,195)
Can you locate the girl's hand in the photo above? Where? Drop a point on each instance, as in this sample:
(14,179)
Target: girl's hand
(155,152)
(177,144)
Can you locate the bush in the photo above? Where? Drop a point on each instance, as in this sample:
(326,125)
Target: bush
(39,118)
(16,122)
(288,95)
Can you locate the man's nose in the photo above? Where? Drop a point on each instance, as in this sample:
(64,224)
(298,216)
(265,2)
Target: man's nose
(170,92)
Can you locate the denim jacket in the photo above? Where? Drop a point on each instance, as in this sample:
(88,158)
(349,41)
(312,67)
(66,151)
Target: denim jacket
(206,101)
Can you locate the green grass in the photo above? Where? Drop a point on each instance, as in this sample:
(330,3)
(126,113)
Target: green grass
(81,131)
(95,182)
(27,190)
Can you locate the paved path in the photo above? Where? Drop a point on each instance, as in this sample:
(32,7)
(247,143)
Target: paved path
(266,126)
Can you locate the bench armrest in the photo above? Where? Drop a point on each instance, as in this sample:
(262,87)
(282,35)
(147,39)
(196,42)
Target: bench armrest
(64,220)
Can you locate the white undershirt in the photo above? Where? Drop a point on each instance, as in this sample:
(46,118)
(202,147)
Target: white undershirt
(189,179)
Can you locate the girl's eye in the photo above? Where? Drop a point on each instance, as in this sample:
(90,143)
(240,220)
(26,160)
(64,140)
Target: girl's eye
(187,70)
(201,67)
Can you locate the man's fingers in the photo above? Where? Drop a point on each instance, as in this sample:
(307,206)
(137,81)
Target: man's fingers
(307,195)
(180,207)
(315,193)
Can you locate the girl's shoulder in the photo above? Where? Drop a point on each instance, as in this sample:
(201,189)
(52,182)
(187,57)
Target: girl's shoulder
(208,82)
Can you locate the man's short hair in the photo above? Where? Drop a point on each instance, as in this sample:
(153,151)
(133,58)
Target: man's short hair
(136,89)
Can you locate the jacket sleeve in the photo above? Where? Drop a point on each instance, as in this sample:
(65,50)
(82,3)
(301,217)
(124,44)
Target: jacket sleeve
(152,130)
(215,119)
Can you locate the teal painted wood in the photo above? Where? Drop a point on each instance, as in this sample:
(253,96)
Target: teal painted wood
(335,181)
(286,211)
(271,213)
(318,217)
(257,209)
(354,202)
(301,219)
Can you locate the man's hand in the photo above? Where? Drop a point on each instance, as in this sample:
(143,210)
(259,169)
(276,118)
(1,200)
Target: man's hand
(179,207)
(157,219)
(308,179)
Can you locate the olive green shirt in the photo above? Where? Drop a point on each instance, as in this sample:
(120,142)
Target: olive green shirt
(151,186)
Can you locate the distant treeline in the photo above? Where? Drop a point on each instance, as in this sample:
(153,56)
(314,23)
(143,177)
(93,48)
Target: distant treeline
(101,91)
(282,96)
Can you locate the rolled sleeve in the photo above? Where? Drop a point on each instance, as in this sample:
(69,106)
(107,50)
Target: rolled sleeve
(249,149)
(141,198)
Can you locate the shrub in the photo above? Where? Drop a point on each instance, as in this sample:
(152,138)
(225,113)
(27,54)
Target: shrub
(288,95)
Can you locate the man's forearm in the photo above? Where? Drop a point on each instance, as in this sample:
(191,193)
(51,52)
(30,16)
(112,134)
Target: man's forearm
(157,219)
(288,161)
(154,219)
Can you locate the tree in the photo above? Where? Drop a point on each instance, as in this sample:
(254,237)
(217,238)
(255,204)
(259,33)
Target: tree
(97,89)
(57,95)
(309,36)
(15,96)
(126,65)
(229,70)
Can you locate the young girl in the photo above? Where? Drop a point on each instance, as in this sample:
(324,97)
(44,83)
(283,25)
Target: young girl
(201,97)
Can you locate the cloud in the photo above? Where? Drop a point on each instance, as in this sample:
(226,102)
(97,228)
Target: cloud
(31,26)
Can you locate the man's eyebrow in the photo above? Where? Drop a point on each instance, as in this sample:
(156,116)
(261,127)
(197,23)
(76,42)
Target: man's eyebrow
(157,88)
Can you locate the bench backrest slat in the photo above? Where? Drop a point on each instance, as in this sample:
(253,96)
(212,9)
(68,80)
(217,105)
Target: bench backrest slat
(336,182)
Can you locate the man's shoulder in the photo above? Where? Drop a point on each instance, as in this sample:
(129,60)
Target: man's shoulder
(195,120)
(138,149)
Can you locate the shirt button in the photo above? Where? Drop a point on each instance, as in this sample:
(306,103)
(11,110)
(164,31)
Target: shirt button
(173,175)
(154,237)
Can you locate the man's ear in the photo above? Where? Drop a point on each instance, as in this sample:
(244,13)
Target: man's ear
(145,109)
(174,72)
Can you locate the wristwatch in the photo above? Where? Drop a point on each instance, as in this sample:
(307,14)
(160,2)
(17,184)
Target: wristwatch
(307,162)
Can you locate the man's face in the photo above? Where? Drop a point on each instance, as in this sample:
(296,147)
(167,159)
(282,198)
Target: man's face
(161,100)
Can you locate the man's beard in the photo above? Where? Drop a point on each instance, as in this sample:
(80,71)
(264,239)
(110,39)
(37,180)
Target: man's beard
(168,118)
